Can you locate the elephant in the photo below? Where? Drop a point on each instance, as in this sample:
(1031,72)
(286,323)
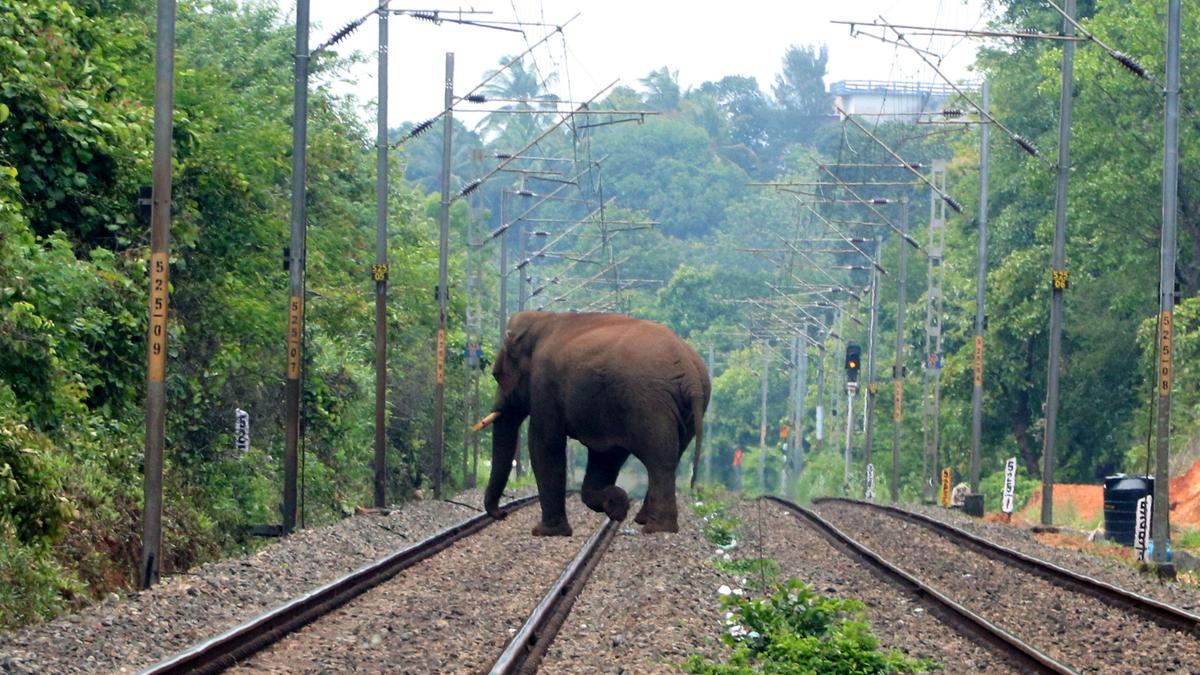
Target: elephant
(620,386)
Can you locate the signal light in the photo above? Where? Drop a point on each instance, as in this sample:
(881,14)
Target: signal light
(853,361)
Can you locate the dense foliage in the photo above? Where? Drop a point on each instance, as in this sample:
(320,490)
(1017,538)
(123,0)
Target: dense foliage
(76,80)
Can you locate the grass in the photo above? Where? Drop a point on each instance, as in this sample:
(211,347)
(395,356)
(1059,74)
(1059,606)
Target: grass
(785,627)
(794,629)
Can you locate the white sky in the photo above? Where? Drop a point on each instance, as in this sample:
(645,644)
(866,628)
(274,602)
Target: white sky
(626,39)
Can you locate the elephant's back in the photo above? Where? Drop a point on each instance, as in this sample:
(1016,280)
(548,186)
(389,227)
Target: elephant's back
(628,364)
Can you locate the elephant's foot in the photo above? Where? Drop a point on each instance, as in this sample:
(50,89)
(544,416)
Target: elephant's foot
(616,503)
(653,525)
(548,530)
(643,514)
(611,500)
(497,514)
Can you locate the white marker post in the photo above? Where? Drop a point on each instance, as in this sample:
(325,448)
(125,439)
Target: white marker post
(1141,527)
(1010,486)
(870,494)
(241,430)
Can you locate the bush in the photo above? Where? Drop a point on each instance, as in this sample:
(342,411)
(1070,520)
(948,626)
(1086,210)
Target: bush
(796,630)
(32,586)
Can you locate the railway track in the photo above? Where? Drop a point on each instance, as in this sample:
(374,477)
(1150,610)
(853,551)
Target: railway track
(1082,623)
(1023,656)
(290,636)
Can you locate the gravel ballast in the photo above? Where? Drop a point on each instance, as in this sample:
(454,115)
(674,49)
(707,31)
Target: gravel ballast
(1077,629)
(1105,569)
(453,613)
(125,634)
(650,603)
(899,619)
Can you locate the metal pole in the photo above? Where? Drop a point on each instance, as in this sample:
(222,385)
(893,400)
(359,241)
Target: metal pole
(1058,268)
(980,286)
(762,426)
(937,280)
(898,366)
(872,348)
(296,258)
(380,270)
(793,392)
(801,391)
(849,436)
(820,409)
(503,306)
(160,240)
(712,371)
(1160,512)
(523,266)
(475,406)
(439,402)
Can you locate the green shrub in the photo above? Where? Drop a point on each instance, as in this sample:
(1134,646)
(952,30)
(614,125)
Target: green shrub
(796,630)
(32,586)
(757,572)
(719,526)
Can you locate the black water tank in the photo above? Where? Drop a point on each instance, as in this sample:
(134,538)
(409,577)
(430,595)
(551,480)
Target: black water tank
(1121,495)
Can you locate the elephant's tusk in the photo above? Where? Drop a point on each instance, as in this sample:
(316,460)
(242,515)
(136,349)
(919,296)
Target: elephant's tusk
(486,421)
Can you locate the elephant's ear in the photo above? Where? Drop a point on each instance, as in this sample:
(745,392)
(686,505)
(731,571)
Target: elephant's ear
(506,376)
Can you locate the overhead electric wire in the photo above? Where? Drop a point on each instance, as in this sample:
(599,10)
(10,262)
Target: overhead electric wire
(950,201)
(886,221)
(1022,142)
(424,126)
(472,185)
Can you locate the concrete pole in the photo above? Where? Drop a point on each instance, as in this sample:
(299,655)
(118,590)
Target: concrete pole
(1160,513)
(295,329)
(439,399)
(1058,267)
(380,270)
(980,286)
(898,366)
(160,244)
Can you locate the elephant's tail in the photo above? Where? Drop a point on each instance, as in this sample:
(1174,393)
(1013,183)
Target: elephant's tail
(698,404)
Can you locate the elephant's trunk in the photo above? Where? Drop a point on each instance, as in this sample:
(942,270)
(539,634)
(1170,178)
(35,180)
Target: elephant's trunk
(504,448)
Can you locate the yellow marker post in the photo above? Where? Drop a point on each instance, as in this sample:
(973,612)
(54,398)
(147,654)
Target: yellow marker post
(978,360)
(158,315)
(1164,355)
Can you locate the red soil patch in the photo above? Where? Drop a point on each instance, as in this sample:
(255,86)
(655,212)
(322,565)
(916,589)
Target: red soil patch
(1076,542)
(1084,504)
(1185,498)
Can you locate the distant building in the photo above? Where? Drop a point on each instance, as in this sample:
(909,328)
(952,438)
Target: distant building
(892,101)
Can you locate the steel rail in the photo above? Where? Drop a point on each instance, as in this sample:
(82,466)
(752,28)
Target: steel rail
(1018,653)
(239,642)
(525,651)
(1161,613)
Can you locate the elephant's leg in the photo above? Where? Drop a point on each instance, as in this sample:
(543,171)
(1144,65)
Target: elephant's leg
(643,514)
(600,492)
(548,458)
(660,455)
(660,511)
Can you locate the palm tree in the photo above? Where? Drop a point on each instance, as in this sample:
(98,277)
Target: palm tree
(518,89)
(664,91)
